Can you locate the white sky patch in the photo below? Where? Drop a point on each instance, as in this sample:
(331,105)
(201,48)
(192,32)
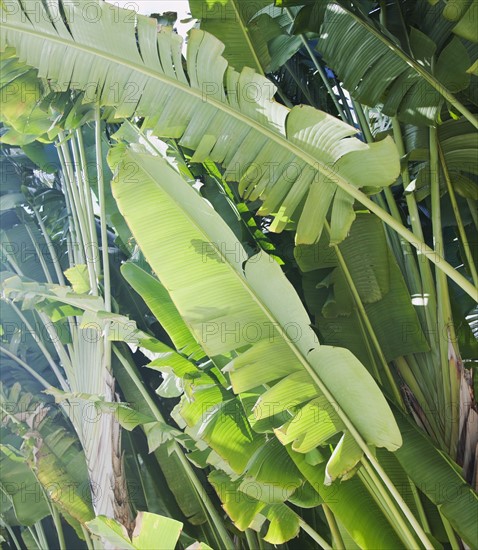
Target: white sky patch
(147,7)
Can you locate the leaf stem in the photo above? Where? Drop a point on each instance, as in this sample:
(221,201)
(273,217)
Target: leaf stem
(93,240)
(22,364)
(334,529)
(59,528)
(459,220)
(39,254)
(316,537)
(12,535)
(367,323)
(86,534)
(320,70)
(102,201)
(395,514)
(251,542)
(71,199)
(419,505)
(454,542)
(51,248)
(35,538)
(41,534)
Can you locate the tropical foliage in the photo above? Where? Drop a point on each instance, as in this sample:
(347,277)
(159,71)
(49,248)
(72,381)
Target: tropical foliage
(239,276)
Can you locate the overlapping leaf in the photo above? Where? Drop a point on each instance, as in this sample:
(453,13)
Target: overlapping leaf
(380,287)
(373,70)
(230,304)
(287,158)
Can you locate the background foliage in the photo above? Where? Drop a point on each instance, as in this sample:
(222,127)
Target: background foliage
(239,279)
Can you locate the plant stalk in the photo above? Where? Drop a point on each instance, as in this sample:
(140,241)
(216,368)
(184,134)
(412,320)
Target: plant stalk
(446,336)
(367,323)
(316,537)
(22,364)
(459,220)
(338,542)
(51,248)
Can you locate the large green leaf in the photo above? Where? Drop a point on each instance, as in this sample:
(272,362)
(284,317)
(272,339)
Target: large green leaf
(284,157)
(149,531)
(230,304)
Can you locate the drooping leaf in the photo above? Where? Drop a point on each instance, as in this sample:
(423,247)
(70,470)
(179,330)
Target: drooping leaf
(241,507)
(208,311)
(247,510)
(284,523)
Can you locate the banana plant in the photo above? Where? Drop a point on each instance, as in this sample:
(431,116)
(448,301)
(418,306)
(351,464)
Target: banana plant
(254,400)
(228,125)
